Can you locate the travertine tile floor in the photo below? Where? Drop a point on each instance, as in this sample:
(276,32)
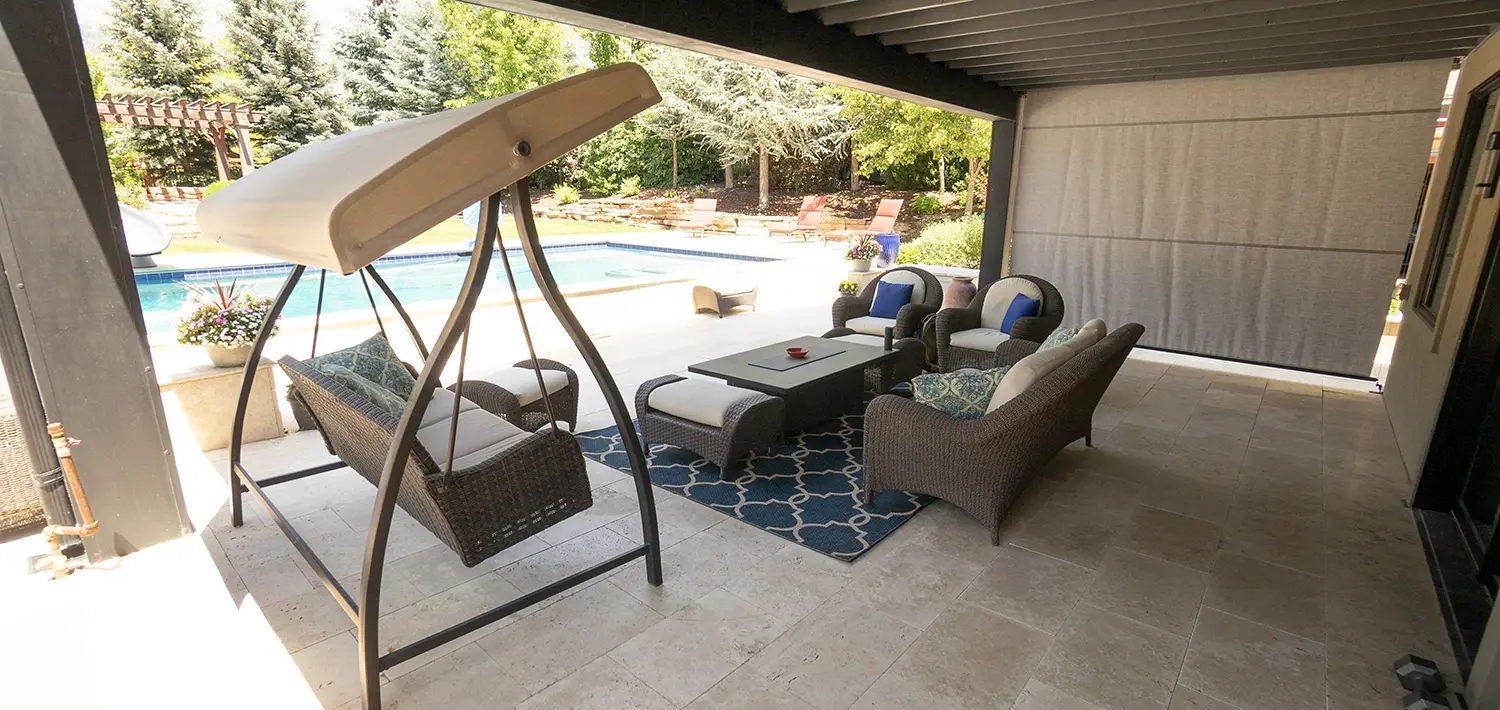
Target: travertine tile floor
(1232,541)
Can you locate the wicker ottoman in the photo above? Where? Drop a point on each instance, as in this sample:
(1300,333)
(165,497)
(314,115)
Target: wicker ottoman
(720,422)
(908,363)
(723,298)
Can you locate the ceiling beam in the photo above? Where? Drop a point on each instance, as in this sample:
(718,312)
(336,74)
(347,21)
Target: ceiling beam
(1252,66)
(805,5)
(763,34)
(1151,25)
(953,35)
(1484,14)
(869,9)
(1467,36)
(954,12)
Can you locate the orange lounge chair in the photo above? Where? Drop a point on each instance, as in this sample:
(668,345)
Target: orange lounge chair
(884,222)
(704,210)
(808,218)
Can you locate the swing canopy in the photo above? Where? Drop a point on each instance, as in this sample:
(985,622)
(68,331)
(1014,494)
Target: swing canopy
(344,202)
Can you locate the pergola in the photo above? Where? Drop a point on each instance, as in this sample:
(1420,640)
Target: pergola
(212,118)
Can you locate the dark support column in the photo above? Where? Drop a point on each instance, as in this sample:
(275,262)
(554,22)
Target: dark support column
(64,253)
(997,201)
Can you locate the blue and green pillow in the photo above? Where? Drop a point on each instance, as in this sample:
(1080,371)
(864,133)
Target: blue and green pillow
(964,394)
(1059,336)
(373,360)
(378,395)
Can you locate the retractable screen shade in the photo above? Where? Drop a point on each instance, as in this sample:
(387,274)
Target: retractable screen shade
(346,201)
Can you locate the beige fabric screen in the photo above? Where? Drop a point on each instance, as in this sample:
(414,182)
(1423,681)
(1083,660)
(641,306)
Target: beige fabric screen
(1258,217)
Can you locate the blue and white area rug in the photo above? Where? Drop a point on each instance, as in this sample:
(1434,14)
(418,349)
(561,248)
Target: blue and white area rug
(808,489)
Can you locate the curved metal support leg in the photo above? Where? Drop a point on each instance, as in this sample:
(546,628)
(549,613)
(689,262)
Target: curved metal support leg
(520,204)
(247,381)
(405,434)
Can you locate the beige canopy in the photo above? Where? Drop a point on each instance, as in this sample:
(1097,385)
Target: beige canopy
(347,201)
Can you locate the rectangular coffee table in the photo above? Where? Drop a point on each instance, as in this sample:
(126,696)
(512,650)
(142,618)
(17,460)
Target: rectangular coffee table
(814,392)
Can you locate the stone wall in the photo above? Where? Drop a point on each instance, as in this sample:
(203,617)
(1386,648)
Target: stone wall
(671,213)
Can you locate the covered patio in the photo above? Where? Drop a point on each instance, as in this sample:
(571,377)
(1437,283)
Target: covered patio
(1241,180)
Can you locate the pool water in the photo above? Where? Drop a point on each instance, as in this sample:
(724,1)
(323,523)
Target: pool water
(424,281)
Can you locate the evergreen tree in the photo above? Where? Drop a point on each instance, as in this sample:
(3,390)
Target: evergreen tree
(499,53)
(361,51)
(745,111)
(157,50)
(274,53)
(424,75)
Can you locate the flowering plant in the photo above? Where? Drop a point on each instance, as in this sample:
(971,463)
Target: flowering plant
(222,316)
(848,288)
(863,249)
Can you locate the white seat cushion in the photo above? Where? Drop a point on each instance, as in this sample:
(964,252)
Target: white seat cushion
(986,339)
(870,325)
(918,286)
(997,299)
(1025,373)
(702,401)
(480,434)
(521,382)
(1096,329)
(862,339)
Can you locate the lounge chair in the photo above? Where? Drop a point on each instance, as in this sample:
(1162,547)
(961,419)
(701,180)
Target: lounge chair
(704,211)
(808,218)
(969,336)
(883,223)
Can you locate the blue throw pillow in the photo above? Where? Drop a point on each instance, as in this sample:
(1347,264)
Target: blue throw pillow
(964,394)
(1021,306)
(889,298)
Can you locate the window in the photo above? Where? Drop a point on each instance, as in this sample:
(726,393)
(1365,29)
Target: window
(1460,192)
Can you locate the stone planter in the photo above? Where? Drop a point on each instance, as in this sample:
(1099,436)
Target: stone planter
(960,292)
(228,357)
(859,265)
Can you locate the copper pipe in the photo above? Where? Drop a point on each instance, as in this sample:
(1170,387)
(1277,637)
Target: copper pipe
(55,560)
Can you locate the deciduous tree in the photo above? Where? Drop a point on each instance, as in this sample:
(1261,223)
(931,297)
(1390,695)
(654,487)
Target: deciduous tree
(890,132)
(499,53)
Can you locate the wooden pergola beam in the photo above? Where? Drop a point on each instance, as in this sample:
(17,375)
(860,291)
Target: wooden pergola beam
(181,113)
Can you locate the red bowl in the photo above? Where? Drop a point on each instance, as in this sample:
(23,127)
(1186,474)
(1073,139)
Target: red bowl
(797,353)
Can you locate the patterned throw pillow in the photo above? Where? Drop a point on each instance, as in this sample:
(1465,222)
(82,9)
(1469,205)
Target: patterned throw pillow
(964,393)
(1062,335)
(373,360)
(379,396)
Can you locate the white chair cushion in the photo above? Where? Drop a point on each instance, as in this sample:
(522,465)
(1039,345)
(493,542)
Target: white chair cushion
(702,401)
(870,325)
(1025,373)
(1096,329)
(986,339)
(862,339)
(480,434)
(918,287)
(521,382)
(997,299)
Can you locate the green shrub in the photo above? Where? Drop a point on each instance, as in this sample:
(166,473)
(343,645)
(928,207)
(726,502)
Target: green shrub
(925,204)
(565,194)
(215,187)
(631,186)
(951,242)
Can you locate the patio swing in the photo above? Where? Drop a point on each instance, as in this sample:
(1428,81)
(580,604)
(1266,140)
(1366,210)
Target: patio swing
(478,482)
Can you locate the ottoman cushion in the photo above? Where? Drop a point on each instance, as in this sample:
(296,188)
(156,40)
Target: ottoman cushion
(702,401)
(521,382)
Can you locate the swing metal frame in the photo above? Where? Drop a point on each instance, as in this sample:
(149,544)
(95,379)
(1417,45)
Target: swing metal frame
(364,611)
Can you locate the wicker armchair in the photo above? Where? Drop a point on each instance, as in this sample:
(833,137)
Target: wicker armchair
(982,465)
(951,321)
(853,312)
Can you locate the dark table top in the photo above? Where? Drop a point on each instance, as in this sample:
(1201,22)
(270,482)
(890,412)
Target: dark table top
(736,368)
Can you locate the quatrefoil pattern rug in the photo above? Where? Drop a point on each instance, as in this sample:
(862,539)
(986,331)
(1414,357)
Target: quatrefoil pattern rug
(808,489)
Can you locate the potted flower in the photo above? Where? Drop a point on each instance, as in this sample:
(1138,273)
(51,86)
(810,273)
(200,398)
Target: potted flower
(223,320)
(861,252)
(849,288)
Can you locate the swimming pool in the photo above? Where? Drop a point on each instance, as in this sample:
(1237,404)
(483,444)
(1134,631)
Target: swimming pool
(426,278)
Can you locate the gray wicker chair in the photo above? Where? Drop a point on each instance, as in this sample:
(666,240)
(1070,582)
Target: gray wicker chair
(848,311)
(477,510)
(749,424)
(908,363)
(982,465)
(1036,328)
(498,400)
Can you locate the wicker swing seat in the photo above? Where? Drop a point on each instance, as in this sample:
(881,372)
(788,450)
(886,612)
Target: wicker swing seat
(506,484)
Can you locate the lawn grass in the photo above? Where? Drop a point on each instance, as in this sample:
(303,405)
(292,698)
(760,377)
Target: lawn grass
(449,232)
